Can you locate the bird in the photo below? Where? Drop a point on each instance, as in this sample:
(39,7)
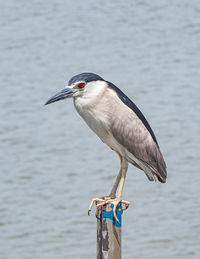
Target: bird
(119,123)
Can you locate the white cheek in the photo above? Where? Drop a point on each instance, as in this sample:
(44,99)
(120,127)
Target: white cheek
(93,89)
(85,99)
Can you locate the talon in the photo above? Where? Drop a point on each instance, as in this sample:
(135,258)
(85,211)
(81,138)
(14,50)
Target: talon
(108,200)
(96,200)
(126,203)
(114,213)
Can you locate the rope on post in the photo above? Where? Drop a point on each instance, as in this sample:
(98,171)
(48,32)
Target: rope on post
(109,232)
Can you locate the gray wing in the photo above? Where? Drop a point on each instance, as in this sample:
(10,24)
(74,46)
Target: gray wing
(130,131)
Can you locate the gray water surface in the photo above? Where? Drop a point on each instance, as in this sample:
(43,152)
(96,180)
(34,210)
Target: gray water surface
(52,165)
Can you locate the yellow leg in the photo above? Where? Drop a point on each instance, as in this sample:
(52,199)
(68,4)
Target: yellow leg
(115,186)
(120,180)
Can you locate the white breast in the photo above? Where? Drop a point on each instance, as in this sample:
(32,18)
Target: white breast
(94,108)
(94,115)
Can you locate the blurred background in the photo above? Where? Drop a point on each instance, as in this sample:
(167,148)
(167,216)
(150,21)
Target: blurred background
(52,165)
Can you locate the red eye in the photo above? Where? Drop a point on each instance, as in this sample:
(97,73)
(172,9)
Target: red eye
(81,85)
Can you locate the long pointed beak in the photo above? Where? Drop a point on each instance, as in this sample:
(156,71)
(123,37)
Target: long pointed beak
(65,93)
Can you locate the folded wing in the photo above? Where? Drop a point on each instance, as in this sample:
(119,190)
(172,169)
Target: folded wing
(131,130)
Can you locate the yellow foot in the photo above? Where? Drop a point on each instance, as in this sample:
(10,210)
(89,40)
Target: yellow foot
(108,200)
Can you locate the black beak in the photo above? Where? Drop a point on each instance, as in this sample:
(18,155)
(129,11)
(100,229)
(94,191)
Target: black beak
(65,93)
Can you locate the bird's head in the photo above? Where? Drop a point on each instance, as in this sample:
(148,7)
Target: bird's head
(80,85)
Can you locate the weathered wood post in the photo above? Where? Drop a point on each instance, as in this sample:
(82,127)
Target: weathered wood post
(109,232)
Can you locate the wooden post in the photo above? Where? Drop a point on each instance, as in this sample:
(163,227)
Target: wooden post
(109,233)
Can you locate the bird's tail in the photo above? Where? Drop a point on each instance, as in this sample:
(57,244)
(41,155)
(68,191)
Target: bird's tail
(157,170)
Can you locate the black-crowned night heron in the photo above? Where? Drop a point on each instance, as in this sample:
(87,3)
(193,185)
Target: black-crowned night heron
(118,123)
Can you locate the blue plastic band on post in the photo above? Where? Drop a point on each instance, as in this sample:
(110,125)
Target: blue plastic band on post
(108,214)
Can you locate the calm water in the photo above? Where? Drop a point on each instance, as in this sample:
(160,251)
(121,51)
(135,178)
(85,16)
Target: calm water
(52,164)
